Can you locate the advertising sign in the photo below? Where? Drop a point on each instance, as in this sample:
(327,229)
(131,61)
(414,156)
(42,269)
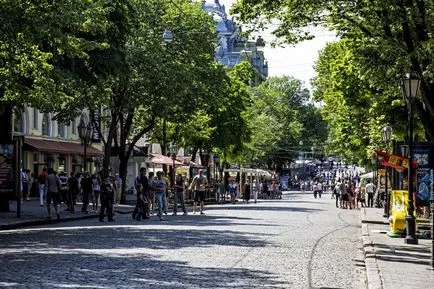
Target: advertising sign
(6,170)
(421,154)
(96,125)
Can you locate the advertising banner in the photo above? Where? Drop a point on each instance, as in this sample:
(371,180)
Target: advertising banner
(96,125)
(6,170)
(422,155)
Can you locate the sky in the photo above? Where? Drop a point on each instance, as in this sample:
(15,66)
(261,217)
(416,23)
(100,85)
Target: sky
(296,61)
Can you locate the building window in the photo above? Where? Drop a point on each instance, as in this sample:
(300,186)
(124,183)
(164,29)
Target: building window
(61,130)
(46,125)
(19,121)
(35,118)
(74,126)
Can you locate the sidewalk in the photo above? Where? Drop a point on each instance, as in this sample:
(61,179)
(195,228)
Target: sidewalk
(32,214)
(390,263)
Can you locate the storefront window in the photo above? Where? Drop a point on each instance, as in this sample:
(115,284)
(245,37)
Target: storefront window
(62,163)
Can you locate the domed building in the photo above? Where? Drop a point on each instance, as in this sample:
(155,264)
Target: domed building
(233,48)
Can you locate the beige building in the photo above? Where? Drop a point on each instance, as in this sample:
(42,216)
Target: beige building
(48,143)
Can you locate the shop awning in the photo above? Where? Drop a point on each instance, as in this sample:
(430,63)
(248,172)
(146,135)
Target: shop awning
(159,159)
(59,147)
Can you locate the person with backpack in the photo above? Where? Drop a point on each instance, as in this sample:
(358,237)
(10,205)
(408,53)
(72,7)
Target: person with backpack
(142,187)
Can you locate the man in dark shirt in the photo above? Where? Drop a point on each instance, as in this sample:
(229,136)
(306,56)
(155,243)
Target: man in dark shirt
(86,189)
(107,199)
(72,192)
(142,187)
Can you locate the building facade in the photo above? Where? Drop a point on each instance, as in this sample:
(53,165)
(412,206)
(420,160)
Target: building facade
(233,48)
(49,143)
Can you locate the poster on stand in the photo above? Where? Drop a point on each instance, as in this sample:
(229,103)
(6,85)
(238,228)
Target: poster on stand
(6,171)
(422,154)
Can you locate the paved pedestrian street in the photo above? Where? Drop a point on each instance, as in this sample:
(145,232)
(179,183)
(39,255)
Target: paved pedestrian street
(296,242)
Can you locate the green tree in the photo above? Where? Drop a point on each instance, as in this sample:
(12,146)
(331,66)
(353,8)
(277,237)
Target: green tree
(388,38)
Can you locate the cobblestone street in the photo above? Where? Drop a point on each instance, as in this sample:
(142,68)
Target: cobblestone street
(297,242)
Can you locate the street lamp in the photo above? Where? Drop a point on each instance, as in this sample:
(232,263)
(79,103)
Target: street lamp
(84,132)
(410,87)
(386,135)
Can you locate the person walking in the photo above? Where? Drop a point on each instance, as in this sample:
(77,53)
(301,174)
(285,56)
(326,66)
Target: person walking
(370,189)
(42,185)
(246,195)
(118,188)
(199,183)
(179,195)
(53,193)
(25,183)
(86,190)
(107,196)
(142,187)
(151,195)
(232,188)
(96,191)
(159,187)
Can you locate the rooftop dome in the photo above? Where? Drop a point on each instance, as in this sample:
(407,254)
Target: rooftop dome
(211,5)
(220,23)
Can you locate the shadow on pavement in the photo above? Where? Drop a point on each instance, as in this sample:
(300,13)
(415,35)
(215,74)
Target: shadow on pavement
(257,207)
(115,257)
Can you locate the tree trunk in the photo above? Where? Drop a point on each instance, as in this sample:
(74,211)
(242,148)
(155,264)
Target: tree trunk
(123,170)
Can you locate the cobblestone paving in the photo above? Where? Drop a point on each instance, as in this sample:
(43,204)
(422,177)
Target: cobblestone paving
(297,242)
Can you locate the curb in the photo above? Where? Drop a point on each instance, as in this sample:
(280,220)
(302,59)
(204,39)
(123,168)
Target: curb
(40,222)
(373,276)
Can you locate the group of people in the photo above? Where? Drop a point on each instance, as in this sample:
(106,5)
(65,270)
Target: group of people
(349,194)
(53,189)
(152,194)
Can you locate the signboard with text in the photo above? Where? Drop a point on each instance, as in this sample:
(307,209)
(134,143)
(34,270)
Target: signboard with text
(6,171)
(422,154)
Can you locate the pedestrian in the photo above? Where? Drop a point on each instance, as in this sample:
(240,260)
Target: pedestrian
(319,189)
(142,187)
(118,188)
(151,194)
(96,191)
(199,183)
(107,196)
(336,192)
(370,189)
(179,195)
(246,195)
(53,193)
(25,183)
(232,188)
(159,187)
(63,188)
(342,194)
(42,185)
(73,189)
(315,189)
(86,191)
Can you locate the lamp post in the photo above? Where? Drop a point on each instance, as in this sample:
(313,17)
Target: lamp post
(404,153)
(386,135)
(84,132)
(410,87)
(173,152)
